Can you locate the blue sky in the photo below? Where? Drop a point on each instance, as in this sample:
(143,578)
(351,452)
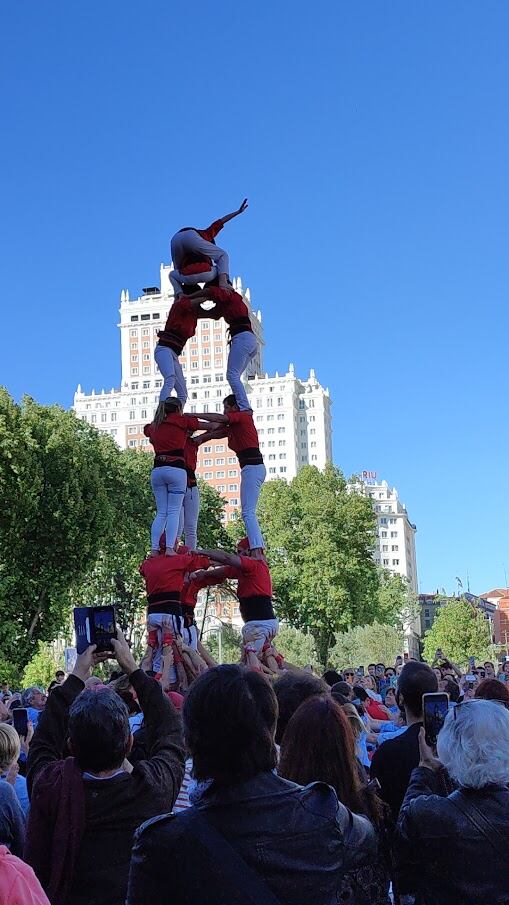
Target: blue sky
(372,140)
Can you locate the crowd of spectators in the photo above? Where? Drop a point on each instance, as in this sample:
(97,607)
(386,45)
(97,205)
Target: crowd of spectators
(252,790)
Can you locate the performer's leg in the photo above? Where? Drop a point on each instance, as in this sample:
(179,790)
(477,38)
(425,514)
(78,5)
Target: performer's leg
(179,380)
(176,482)
(191,509)
(158,482)
(243,348)
(251,482)
(165,361)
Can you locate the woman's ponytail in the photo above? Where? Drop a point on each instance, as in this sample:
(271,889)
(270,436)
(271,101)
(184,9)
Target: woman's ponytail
(166,407)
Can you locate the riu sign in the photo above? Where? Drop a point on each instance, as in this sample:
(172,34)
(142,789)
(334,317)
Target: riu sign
(369,475)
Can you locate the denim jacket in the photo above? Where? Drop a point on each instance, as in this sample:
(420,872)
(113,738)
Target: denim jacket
(300,840)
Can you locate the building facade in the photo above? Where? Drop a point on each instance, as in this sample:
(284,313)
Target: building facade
(293,416)
(395,545)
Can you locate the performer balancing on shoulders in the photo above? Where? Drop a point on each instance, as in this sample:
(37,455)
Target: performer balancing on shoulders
(238,426)
(180,326)
(254,591)
(168,433)
(196,257)
(243,343)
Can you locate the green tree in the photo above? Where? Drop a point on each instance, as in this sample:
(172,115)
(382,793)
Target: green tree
(298,647)
(364,644)
(397,604)
(461,631)
(41,668)
(10,673)
(54,484)
(319,539)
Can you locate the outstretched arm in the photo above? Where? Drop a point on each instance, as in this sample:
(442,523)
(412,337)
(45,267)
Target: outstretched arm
(236,213)
(215,416)
(227,559)
(219,433)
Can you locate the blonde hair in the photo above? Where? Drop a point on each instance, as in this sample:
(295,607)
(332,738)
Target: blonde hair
(356,724)
(9,746)
(165,407)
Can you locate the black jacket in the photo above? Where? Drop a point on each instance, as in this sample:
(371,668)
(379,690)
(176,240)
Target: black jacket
(299,840)
(440,855)
(113,808)
(392,765)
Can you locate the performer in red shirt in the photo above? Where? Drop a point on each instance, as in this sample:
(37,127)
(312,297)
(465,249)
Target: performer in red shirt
(164,580)
(190,247)
(168,433)
(190,511)
(242,436)
(180,326)
(254,590)
(243,343)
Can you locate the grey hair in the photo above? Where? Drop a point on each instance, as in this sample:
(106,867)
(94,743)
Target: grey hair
(474,744)
(28,695)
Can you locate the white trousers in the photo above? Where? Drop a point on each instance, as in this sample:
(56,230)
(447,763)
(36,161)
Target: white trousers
(190,636)
(177,278)
(168,486)
(251,482)
(170,368)
(243,348)
(190,242)
(174,623)
(257,632)
(189,514)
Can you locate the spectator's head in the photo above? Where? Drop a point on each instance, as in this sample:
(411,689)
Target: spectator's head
(415,680)
(92,681)
(369,682)
(390,697)
(344,689)
(360,693)
(9,746)
(319,745)
(5,688)
(372,669)
(332,677)
(489,669)
(230,404)
(492,690)
(354,720)
(124,689)
(291,690)
(505,668)
(53,684)
(380,669)
(99,733)
(349,675)
(60,676)
(390,672)
(474,744)
(230,716)
(399,661)
(33,697)
(451,687)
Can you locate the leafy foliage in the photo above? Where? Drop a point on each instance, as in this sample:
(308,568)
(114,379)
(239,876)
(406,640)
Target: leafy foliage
(461,631)
(41,668)
(364,644)
(319,538)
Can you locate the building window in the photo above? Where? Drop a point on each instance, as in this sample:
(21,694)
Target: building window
(233,487)
(207,379)
(207,462)
(132,416)
(208,475)
(156,316)
(282,455)
(113,416)
(207,449)
(234,501)
(132,443)
(272,471)
(385,548)
(314,458)
(386,562)
(384,534)
(280,401)
(219,378)
(282,469)
(269,403)
(143,413)
(103,418)
(272,457)
(395,562)
(220,474)
(282,442)
(394,533)
(93,419)
(220,448)
(281,430)
(280,417)
(383,521)
(145,317)
(146,384)
(259,403)
(270,417)
(159,383)
(219,461)
(134,317)
(231,460)
(132,430)
(232,473)
(394,548)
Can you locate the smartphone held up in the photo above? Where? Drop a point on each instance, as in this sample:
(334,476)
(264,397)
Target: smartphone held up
(435,707)
(95,625)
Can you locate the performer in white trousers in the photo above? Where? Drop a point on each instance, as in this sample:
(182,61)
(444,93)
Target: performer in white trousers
(180,326)
(168,433)
(190,247)
(190,511)
(238,426)
(243,343)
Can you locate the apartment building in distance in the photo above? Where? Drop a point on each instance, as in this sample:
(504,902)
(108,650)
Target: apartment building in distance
(292,415)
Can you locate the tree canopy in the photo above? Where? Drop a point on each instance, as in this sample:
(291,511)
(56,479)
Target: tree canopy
(461,631)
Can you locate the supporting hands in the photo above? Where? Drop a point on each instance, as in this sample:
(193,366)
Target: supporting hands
(86,662)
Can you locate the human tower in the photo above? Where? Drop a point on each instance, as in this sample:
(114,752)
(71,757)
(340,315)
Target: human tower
(175,572)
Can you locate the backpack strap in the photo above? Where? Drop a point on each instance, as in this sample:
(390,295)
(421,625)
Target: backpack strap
(236,872)
(482,825)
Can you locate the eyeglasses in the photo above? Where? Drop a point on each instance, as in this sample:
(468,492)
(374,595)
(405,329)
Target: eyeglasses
(348,673)
(480,701)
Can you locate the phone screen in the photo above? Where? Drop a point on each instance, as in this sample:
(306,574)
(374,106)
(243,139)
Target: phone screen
(20,721)
(104,630)
(435,709)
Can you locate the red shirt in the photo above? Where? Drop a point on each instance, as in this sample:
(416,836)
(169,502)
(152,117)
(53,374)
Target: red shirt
(242,433)
(191,454)
(375,710)
(166,573)
(172,433)
(190,590)
(229,305)
(180,325)
(209,235)
(253,577)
